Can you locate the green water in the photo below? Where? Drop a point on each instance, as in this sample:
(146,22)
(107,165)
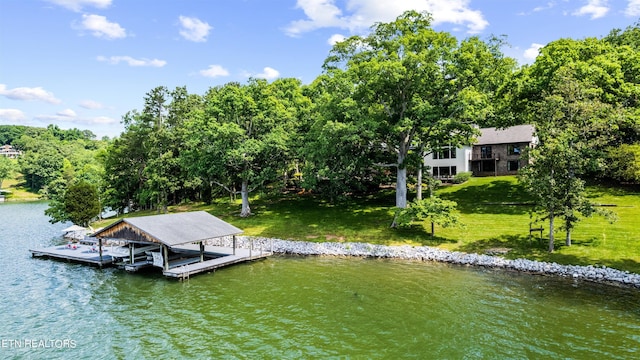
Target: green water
(294,307)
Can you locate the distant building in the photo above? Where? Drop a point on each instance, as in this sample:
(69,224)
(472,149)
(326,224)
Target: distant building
(496,152)
(9,151)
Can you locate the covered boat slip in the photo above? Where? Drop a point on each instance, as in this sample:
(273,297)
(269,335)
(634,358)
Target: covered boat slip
(177,243)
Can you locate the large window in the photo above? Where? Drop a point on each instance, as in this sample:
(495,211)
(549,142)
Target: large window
(513,165)
(514,149)
(444,171)
(445,153)
(485,152)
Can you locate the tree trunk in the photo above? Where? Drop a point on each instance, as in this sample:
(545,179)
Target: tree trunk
(433,231)
(401,183)
(419,183)
(568,239)
(244,192)
(551,232)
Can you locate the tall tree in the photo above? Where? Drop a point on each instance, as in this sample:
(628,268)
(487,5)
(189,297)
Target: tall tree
(242,139)
(414,87)
(79,204)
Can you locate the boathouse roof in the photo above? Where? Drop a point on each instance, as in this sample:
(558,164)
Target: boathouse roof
(169,229)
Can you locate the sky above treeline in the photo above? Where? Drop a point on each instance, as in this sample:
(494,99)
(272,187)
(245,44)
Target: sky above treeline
(85,63)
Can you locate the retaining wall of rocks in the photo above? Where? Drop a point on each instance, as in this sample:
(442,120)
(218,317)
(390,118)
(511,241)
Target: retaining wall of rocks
(426,253)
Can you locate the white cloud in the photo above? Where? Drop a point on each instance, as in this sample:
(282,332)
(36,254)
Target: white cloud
(532,52)
(77,5)
(268,73)
(99,120)
(101,27)
(114,60)
(595,8)
(633,9)
(91,105)
(364,13)
(214,71)
(102,120)
(335,38)
(12,115)
(67,113)
(25,93)
(194,29)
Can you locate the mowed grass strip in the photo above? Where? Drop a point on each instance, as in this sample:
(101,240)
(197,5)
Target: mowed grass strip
(495,212)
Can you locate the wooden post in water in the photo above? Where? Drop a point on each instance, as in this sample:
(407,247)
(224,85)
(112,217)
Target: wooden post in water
(201,251)
(234,244)
(131,251)
(100,250)
(165,256)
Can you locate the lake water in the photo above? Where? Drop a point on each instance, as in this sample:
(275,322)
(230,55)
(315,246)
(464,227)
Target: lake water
(295,307)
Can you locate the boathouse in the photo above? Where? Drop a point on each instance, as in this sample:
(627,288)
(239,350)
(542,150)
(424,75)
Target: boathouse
(181,244)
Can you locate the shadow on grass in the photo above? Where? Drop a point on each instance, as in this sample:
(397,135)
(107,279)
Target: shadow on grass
(497,197)
(517,245)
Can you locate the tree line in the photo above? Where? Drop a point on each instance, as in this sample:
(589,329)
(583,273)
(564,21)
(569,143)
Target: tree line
(383,102)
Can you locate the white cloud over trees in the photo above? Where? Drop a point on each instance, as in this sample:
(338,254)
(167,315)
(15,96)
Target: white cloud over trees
(359,15)
(194,29)
(29,94)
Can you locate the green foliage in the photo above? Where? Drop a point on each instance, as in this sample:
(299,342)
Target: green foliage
(411,87)
(80,204)
(625,164)
(7,167)
(436,210)
(461,177)
(244,138)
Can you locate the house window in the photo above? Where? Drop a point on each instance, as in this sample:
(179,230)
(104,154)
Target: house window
(445,153)
(514,149)
(513,165)
(485,152)
(444,171)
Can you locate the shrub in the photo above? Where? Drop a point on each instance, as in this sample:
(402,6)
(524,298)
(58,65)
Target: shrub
(461,177)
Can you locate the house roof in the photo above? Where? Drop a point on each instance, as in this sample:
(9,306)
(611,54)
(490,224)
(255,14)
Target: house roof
(169,229)
(513,134)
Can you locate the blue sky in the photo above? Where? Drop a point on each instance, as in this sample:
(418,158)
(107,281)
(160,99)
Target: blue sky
(85,63)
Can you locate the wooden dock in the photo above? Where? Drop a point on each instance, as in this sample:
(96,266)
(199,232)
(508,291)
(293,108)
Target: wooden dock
(223,256)
(187,262)
(81,253)
(176,243)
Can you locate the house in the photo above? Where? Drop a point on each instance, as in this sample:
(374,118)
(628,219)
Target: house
(496,152)
(9,151)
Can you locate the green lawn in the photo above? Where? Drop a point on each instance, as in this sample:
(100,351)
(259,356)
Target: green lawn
(494,211)
(17,190)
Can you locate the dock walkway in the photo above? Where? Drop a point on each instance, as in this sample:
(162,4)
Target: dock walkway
(225,257)
(217,256)
(76,252)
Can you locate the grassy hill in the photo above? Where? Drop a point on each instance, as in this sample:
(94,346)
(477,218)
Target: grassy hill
(495,212)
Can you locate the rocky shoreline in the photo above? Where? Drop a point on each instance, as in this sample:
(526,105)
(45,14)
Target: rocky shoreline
(426,253)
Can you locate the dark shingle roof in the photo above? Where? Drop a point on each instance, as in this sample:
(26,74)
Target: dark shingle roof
(514,134)
(176,229)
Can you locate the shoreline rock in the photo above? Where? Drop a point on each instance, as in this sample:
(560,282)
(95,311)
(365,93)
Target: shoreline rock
(599,274)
